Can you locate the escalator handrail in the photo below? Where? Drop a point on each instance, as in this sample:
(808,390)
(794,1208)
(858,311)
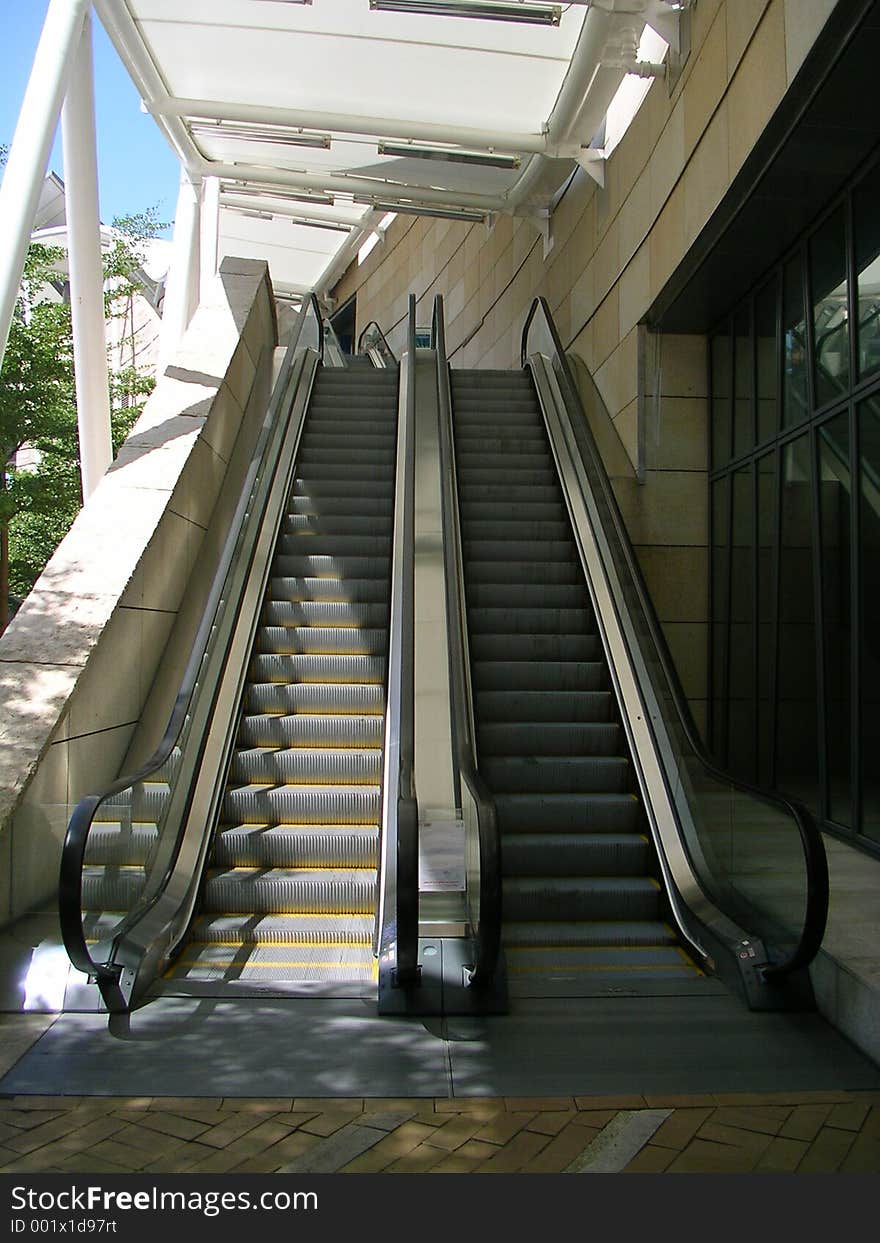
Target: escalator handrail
(381,335)
(81,820)
(488,930)
(811,839)
(397,928)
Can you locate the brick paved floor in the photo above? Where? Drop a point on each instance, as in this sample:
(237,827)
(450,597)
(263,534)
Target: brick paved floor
(807,1132)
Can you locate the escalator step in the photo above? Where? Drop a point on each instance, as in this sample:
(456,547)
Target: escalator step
(538,707)
(531,621)
(265,804)
(515,527)
(308,587)
(519,675)
(536,647)
(283,929)
(492,511)
(566,572)
(575,854)
(591,932)
(316,698)
(330,613)
(334,508)
(535,738)
(283,668)
(322,640)
(321,524)
(310,766)
(552,774)
(568,813)
(581,897)
(518,551)
(527,595)
(293,891)
(296,846)
(115,845)
(310,731)
(340,567)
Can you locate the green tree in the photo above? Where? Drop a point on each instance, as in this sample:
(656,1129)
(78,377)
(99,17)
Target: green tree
(38,503)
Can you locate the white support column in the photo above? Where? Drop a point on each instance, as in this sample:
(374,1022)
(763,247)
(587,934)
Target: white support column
(31,144)
(182,289)
(210,238)
(86,268)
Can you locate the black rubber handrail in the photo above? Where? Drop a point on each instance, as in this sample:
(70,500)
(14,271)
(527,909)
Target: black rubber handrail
(487,925)
(816,862)
(76,838)
(381,335)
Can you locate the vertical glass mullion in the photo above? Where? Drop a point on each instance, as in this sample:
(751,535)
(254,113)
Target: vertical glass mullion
(824,794)
(857,638)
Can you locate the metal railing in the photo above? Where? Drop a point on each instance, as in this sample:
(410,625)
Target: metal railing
(482,842)
(192,706)
(373,342)
(397,928)
(744,844)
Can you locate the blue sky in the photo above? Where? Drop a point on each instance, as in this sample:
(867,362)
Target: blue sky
(136,167)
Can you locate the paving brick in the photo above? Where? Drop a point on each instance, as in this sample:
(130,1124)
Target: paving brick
(766,1120)
(90,1163)
(871,1125)
(457,1131)
(132,1102)
(485,1106)
(259,1104)
(780,1098)
(523,1148)
(849,1117)
(220,1162)
(453,1164)
(609,1102)
(150,1142)
(680,1127)
(326,1123)
(827,1151)
(179,1104)
(552,1123)
(536,1104)
(560,1151)
(172,1124)
(476,1152)
(347,1105)
(384,1119)
(27,1141)
(651,1159)
(678,1101)
(22,1120)
(805,1122)
(47,1102)
(707,1157)
(125,1155)
(230,1129)
(863,1157)
(502,1128)
(595,1117)
(419,1161)
(390,1149)
(748,1141)
(782,1156)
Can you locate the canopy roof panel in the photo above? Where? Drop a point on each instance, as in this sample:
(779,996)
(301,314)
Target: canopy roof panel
(355,106)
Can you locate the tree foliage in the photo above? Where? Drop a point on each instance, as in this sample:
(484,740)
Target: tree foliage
(39,501)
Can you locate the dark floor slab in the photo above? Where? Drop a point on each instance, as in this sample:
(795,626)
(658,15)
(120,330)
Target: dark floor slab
(205,1047)
(626,1045)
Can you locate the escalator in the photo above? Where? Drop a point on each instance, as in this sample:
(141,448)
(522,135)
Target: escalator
(245,855)
(582,899)
(606,852)
(290,887)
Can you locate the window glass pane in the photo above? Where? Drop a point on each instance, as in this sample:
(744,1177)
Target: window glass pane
(767,358)
(743,420)
(720,617)
(867,245)
(830,316)
(741,699)
(834,498)
(796,745)
(721,385)
(869,552)
(794,374)
(766,604)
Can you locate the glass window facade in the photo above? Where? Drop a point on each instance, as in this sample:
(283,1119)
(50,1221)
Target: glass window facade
(795,512)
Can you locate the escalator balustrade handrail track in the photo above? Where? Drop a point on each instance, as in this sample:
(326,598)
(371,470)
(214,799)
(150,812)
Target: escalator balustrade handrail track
(383,340)
(817,887)
(81,821)
(487,930)
(397,929)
